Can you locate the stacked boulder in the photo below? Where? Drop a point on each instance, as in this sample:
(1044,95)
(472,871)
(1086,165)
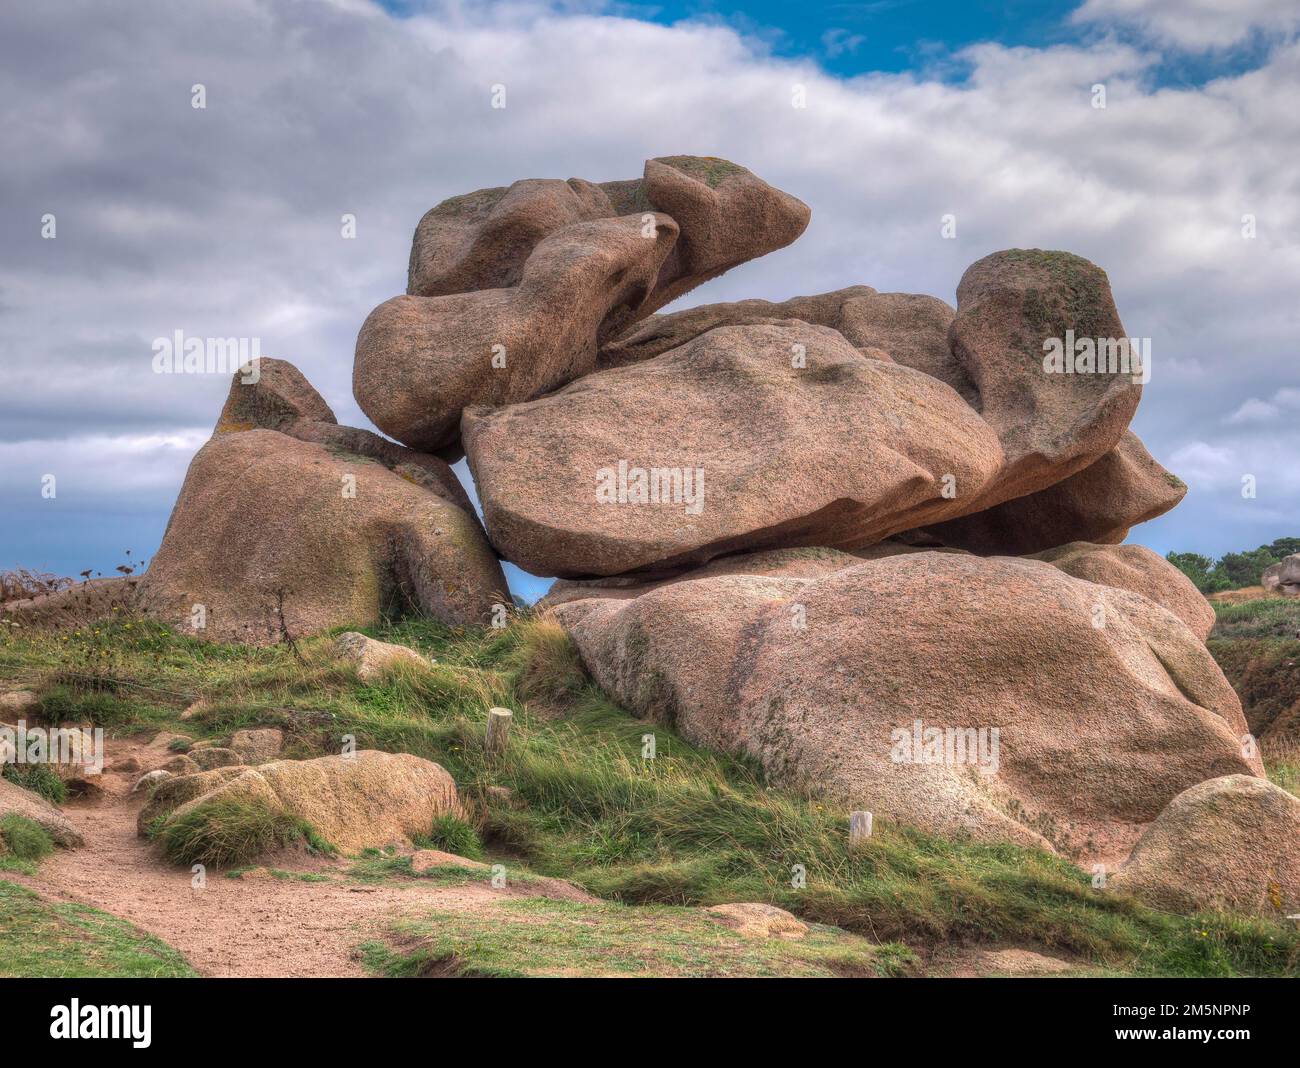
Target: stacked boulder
(867,539)
(833,533)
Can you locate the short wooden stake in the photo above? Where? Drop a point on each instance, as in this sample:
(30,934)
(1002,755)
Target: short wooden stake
(859,829)
(498,726)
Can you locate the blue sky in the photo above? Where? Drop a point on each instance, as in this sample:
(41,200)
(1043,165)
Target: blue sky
(224,222)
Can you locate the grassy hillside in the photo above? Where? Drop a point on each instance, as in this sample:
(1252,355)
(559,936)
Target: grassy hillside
(687,828)
(1257,644)
(64,940)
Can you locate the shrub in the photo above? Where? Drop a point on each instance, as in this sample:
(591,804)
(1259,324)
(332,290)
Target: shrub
(453,835)
(26,839)
(39,779)
(232,831)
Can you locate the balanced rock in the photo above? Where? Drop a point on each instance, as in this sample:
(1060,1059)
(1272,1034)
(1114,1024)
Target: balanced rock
(511,291)
(368,799)
(421,360)
(726,215)
(1283,578)
(1229,843)
(960,694)
(1016,311)
(299,525)
(778,434)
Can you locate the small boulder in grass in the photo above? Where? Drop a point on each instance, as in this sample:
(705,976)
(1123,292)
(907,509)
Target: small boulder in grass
(150,780)
(372,657)
(363,801)
(180,764)
(1231,843)
(257,746)
(754,919)
(215,756)
(16,801)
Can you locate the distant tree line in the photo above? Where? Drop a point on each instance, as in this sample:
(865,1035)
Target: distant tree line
(1232,571)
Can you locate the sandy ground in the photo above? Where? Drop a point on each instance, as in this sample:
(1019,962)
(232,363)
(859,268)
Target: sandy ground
(233,927)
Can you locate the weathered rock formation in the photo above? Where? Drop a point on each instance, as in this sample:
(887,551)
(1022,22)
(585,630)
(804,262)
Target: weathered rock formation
(367,800)
(879,686)
(511,291)
(289,524)
(721,444)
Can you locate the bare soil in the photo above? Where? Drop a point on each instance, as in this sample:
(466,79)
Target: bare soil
(237,926)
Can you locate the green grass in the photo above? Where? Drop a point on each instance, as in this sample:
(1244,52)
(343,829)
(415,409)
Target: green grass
(1271,617)
(283,876)
(232,831)
(24,843)
(540,937)
(453,835)
(40,779)
(42,939)
(686,829)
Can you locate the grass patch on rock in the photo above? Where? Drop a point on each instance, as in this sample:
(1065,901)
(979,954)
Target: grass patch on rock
(40,779)
(232,831)
(24,843)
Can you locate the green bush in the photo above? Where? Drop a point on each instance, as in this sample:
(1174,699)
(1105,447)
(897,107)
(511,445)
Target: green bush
(232,831)
(453,835)
(39,779)
(26,839)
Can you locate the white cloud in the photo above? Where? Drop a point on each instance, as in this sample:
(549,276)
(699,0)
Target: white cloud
(1254,411)
(225,222)
(1195,25)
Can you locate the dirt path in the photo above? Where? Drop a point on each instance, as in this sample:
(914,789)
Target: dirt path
(232,927)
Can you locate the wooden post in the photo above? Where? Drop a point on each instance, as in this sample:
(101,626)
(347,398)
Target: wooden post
(859,829)
(498,726)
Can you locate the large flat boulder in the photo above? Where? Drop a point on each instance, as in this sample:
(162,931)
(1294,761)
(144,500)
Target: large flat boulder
(907,328)
(878,686)
(778,434)
(1230,843)
(288,524)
